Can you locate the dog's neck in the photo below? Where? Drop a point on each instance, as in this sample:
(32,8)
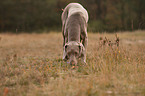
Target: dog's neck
(73,43)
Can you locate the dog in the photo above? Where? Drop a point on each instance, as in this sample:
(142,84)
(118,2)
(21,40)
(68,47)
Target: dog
(74,29)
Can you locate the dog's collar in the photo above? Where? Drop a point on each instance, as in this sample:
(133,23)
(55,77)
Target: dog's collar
(73,43)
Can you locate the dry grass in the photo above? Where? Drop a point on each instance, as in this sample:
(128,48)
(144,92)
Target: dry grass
(31,65)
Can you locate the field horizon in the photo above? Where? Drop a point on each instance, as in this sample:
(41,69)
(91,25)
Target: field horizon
(32,65)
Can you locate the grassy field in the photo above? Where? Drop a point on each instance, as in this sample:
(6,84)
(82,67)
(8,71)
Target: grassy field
(31,65)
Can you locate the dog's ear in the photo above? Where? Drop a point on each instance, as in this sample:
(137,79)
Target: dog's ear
(81,50)
(66,47)
(65,52)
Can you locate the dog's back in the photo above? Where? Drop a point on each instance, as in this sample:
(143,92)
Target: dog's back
(71,9)
(75,8)
(75,24)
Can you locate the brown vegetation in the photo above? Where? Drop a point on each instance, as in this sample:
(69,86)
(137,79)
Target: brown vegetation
(31,65)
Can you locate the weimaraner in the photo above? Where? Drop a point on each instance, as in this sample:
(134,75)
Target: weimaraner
(74,29)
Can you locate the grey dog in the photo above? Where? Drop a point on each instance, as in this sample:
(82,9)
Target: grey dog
(74,29)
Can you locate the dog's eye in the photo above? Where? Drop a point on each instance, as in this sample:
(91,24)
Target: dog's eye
(67,56)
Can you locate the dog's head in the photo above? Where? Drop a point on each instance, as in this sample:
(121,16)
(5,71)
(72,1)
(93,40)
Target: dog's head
(72,51)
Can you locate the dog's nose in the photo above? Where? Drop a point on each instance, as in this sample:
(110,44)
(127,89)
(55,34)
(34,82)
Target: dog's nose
(72,63)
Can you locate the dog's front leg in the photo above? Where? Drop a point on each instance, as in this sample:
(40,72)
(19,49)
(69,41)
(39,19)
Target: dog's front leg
(85,43)
(83,58)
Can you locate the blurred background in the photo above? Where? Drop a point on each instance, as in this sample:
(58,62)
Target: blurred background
(45,15)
